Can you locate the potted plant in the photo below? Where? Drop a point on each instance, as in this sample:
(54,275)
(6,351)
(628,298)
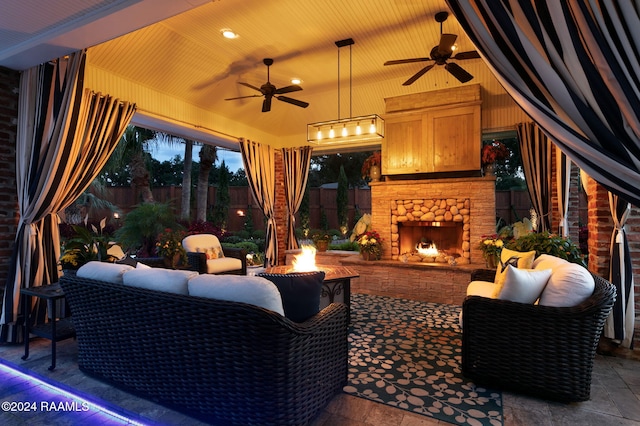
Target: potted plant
(370,245)
(169,247)
(89,242)
(491,153)
(371,167)
(321,241)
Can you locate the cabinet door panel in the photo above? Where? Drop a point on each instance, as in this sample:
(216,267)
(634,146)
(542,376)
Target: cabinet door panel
(454,139)
(403,145)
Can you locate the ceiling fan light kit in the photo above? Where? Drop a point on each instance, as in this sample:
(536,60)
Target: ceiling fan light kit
(351,129)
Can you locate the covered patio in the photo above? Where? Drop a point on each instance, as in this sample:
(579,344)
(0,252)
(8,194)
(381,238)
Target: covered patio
(582,97)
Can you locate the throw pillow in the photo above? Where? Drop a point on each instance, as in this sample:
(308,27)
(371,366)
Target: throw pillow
(160,279)
(523,285)
(103,271)
(252,290)
(300,293)
(569,285)
(211,254)
(518,259)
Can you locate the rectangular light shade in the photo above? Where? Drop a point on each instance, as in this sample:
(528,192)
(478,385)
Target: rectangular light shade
(353,129)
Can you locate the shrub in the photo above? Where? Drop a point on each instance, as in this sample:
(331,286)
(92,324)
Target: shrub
(348,246)
(200,227)
(250,246)
(142,225)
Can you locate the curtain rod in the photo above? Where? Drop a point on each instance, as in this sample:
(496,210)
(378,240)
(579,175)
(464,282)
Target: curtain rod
(195,126)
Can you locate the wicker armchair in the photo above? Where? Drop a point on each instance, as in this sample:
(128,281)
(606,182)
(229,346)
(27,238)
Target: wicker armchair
(198,260)
(220,361)
(538,350)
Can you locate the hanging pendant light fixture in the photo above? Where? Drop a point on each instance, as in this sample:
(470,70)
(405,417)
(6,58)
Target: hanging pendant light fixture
(351,129)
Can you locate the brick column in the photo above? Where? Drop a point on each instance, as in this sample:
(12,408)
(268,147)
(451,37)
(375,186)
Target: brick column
(600,228)
(280,209)
(9,84)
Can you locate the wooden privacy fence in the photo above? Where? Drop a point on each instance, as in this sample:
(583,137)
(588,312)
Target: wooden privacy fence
(511,206)
(241,201)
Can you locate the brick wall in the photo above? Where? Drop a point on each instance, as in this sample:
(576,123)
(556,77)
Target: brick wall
(9,83)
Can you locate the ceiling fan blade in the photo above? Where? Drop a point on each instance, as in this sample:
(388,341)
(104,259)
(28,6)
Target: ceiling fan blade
(250,86)
(293,101)
(446,42)
(288,89)
(243,97)
(457,71)
(407,61)
(472,54)
(266,105)
(417,75)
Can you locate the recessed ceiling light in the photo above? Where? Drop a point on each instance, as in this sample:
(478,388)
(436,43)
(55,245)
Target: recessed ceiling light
(296,81)
(227,33)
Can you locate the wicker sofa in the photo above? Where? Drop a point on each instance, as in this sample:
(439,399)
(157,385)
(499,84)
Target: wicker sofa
(224,362)
(538,350)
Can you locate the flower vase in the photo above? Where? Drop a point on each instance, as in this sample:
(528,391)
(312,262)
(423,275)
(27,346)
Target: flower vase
(491,261)
(374,173)
(368,255)
(489,169)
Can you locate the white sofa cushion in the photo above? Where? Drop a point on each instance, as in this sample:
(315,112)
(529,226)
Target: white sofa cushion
(253,290)
(223,264)
(523,285)
(103,271)
(481,288)
(167,280)
(547,261)
(569,285)
(201,243)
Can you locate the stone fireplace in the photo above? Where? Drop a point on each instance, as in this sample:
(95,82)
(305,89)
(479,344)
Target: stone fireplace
(453,213)
(431,230)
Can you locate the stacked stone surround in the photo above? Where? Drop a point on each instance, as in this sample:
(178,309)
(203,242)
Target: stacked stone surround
(476,194)
(431,210)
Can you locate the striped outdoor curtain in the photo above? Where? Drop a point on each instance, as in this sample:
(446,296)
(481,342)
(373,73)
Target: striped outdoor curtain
(259,164)
(296,173)
(535,149)
(563,180)
(573,66)
(65,136)
(620,324)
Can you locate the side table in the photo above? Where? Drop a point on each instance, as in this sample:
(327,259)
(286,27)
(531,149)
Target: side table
(54,330)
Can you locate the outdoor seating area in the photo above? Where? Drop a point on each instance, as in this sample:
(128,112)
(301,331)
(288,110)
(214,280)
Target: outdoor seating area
(459,245)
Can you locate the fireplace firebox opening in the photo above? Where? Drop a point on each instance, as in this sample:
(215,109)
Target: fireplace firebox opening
(431,230)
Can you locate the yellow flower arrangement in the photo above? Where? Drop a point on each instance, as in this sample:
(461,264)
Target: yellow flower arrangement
(491,246)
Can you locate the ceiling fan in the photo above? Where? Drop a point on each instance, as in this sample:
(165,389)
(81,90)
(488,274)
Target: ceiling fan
(440,54)
(270,91)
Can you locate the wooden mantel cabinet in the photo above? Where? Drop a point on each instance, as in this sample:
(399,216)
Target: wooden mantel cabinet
(435,139)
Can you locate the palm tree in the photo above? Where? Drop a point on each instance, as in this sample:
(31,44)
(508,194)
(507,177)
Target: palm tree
(185,205)
(131,148)
(208,156)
